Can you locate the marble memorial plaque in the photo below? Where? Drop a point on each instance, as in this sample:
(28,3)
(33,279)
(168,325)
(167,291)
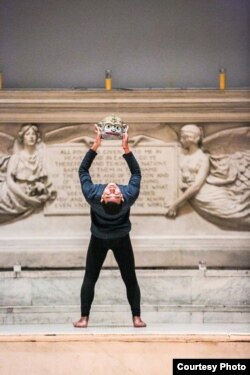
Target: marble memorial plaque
(159,176)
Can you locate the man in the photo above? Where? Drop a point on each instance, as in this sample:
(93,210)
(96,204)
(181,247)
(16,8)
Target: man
(110,226)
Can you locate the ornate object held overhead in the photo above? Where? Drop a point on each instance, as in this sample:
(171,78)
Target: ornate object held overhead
(112,127)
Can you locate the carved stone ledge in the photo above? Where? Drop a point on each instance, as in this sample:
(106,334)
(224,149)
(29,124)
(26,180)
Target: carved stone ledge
(216,252)
(133,105)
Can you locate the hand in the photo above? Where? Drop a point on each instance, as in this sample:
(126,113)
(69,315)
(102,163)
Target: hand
(97,141)
(172,211)
(125,145)
(34,202)
(43,198)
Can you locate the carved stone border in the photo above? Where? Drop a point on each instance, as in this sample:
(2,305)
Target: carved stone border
(169,252)
(133,106)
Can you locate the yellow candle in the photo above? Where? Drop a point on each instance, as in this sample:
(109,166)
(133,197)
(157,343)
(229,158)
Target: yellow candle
(222,79)
(108,80)
(108,83)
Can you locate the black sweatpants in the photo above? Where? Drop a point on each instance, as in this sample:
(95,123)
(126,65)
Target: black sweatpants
(124,256)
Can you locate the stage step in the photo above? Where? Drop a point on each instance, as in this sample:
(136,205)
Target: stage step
(168,296)
(63,350)
(120,314)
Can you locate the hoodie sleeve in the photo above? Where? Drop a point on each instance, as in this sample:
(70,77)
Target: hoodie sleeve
(88,188)
(133,187)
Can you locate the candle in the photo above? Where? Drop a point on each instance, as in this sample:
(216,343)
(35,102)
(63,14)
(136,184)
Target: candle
(1,81)
(108,80)
(222,79)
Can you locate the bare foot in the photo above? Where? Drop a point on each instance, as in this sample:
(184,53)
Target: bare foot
(138,323)
(82,323)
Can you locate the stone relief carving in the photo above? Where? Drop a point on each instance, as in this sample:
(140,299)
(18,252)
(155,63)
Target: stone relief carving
(217,186)
(24,182)
(216,183)
(157,161)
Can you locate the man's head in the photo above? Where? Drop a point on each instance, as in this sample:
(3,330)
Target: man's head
(112,199)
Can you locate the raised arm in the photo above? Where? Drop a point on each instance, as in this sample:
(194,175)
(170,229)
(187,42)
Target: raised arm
(84,175)
(135,179)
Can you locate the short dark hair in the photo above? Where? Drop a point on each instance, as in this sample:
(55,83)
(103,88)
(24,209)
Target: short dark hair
(112,208)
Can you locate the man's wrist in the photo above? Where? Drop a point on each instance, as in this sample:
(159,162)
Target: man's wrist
(94,147)
(126,150)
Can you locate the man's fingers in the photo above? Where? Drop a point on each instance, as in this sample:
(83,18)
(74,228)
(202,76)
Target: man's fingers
(97,129)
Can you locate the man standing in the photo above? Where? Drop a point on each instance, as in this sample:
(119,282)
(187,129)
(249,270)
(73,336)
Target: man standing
(110,226)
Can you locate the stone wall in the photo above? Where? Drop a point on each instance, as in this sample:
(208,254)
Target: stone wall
(54,232)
